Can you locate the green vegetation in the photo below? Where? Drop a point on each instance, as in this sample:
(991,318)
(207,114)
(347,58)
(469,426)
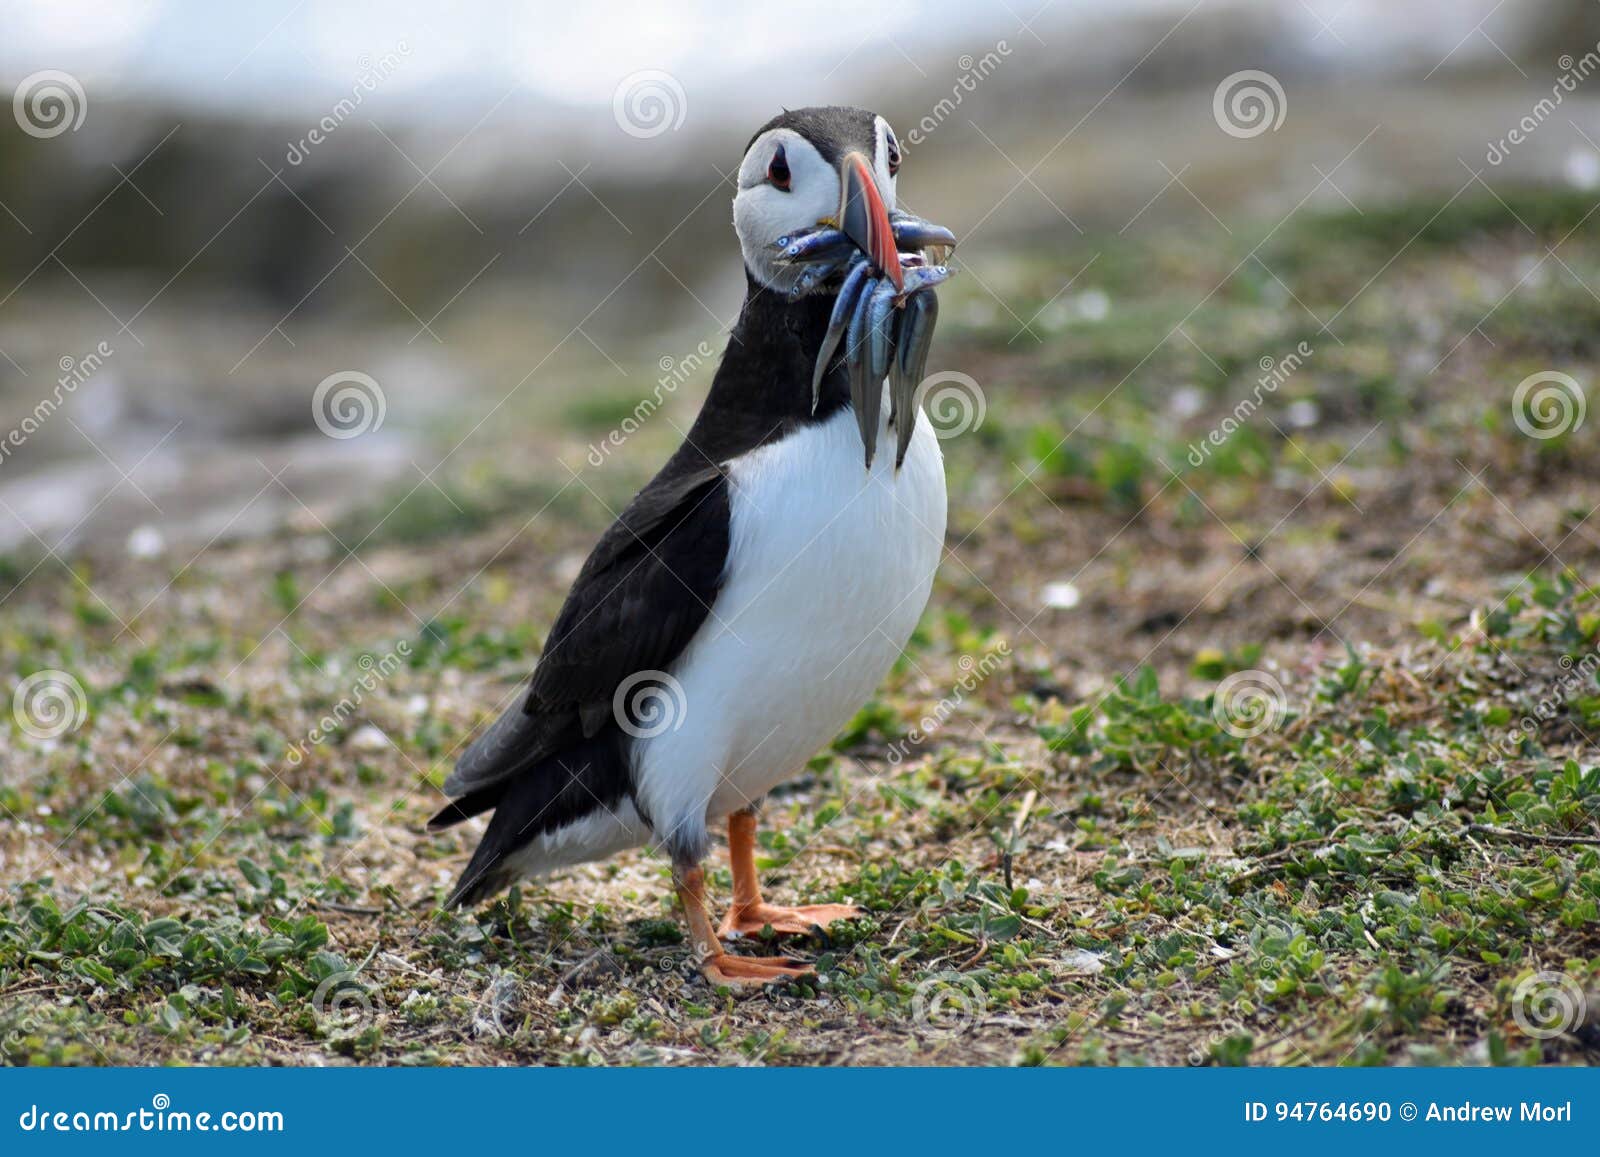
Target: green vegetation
(1301,773)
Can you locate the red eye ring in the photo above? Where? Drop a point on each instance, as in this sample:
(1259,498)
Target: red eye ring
(893,154)
(778,170)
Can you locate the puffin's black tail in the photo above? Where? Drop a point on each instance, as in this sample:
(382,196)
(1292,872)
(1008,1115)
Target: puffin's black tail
(485,875)
(469,805)
(587,777)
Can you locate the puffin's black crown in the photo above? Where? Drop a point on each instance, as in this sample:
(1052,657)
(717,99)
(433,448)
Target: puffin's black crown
(833,129)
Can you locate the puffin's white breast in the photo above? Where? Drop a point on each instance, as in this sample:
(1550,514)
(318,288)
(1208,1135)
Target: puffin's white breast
(829,569)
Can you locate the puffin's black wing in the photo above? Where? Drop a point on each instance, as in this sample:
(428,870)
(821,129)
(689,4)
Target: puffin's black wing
(645,590)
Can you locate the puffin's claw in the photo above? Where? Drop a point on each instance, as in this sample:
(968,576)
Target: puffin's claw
(750,973)
(805,920)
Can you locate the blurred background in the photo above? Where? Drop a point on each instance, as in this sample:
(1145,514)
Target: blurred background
(515,217)
(331,333)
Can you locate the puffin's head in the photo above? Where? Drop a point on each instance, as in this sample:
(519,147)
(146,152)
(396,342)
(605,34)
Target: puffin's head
(815,167)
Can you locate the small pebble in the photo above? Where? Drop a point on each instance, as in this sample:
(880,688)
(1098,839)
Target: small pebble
(1061,595)
(368,738)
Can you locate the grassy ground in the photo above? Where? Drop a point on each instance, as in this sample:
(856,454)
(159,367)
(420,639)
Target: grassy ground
(1272,748)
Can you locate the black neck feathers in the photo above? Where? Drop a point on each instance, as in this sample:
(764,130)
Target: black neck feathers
(762,389)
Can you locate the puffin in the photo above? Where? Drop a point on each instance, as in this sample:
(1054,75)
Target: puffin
(754,593)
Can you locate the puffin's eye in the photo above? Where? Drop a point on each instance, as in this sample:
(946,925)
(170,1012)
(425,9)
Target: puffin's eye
(894,154)
(778,170)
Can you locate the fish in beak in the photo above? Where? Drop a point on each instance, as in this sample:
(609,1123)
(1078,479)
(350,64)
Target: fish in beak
(864,218)
(885,311)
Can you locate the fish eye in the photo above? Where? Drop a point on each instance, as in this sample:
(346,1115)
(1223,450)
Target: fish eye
(778,169)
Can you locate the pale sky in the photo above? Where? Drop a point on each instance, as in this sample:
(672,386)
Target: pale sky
(284,56)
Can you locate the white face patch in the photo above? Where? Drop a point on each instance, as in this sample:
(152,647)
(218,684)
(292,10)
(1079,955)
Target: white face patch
(886,150)
(762,212)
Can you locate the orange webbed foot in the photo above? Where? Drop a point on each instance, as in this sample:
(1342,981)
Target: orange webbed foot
(752,972)
(798,921)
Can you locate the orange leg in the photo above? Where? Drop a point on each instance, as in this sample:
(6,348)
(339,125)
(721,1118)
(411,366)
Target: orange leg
(749,914)
(716,963)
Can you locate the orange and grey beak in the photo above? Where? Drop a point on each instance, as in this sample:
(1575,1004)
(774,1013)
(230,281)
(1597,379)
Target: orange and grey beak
(864,219)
